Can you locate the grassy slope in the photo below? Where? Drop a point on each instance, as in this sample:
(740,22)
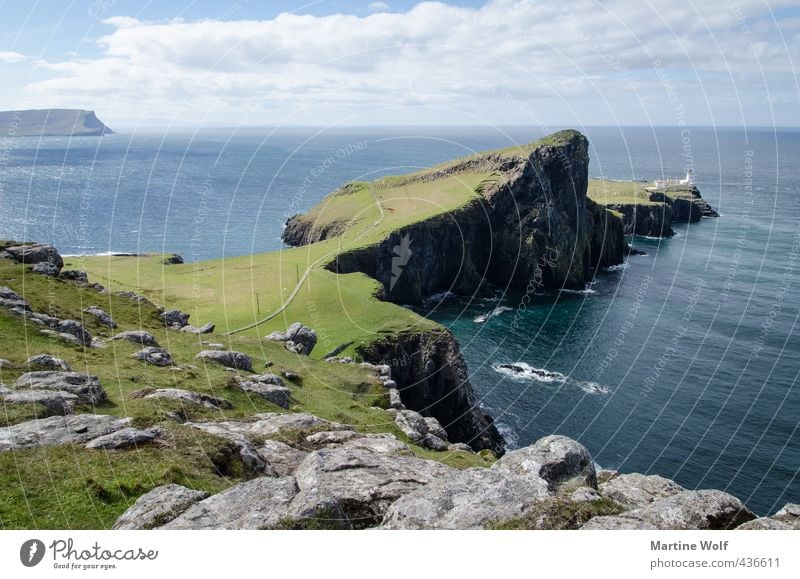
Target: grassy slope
(605,192)
(340,307)
(72,487)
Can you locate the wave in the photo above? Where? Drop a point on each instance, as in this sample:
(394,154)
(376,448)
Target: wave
(440,297)
(524,372)
(509,435)
(617,267)
(493,314)
(585,291)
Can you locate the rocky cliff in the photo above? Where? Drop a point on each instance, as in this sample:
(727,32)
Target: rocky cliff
(648,219)
(53,123)
(530,224)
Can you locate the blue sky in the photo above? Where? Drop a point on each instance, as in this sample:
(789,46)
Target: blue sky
(520,62)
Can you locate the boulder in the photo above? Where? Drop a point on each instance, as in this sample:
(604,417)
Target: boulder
(297,338)
(425,431)
(153,356)
(283,458)
(358,485)
(204,329)
(636,490)
(85,386)
(74,328)
(329,437)
(466,499)
(189,397)
(73,275)
(557,459)
(124,438)
(46,268)
(54,403)
(699,510)
(460,446)
(173,259)
(57,430)
(271,424)
(228,358)
(175,319)
(277,395)
(62,336)
(101,316)
(394,399)
(138,337)
(157,507)
(11,299)
(261,503)
(379,443)
(133,296)
(765,524)
(48,362)
(36,253)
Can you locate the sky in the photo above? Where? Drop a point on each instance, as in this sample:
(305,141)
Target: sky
(336,62)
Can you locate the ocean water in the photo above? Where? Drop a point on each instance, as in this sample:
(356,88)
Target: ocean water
(683,362)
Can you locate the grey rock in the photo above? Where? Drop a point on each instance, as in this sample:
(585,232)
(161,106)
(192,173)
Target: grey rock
(11,299)
(57,430)
(283,458)
(289,375)
(764,524)
(380,443)
(301,339)
(228,358)
(133,296)
(5,363)
(48,362)
(277,395)
(585,495)
(43,320)
(277,336)
(189,397)
(101,316)
(700,510)
(140,337)
(267,379)
(158,507)
(124,438)
(390,384)
(466,499)
(85,386)
(261,503)
(54,403)
(74,328)
(62,336)
(328,437)
(557,459)
(174,259)
(174,318)
(358,484)
(154,356)
(394,399)
(46,268)
(272,424)
(636,490)
(204,329)
(36,253)
(73,275)
(5,390)
(423,430)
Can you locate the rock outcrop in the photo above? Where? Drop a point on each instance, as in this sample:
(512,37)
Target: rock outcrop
(227,358)
(159,506)
(432,379)
(297,338)
(140,337)
(648,219)
(57,430)
(85,387)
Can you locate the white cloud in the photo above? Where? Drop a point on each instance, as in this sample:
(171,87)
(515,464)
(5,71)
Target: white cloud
(11,57)
(379,7)
(510,61)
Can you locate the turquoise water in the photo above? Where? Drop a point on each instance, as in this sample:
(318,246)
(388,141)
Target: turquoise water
(683,363)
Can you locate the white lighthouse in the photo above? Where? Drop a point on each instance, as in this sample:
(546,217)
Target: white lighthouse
(689,177)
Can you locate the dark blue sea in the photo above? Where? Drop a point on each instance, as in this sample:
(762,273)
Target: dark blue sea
(684,362)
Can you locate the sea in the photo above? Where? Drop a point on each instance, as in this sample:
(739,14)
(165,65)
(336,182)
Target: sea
(682,362)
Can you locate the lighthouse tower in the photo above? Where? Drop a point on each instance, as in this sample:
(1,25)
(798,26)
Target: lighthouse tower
(689,177)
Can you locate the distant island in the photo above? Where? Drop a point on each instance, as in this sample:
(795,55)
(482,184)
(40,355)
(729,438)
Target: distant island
(52,123)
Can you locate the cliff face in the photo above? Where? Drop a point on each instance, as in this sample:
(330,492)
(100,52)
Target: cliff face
(433,380)
(53,123)
(533,224)
(652,220)
(686,204)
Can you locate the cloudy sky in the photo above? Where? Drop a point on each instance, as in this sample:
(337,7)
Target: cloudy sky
(510,62)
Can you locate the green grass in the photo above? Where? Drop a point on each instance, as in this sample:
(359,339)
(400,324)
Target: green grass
(607,192)
(559,513)
(73,487)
